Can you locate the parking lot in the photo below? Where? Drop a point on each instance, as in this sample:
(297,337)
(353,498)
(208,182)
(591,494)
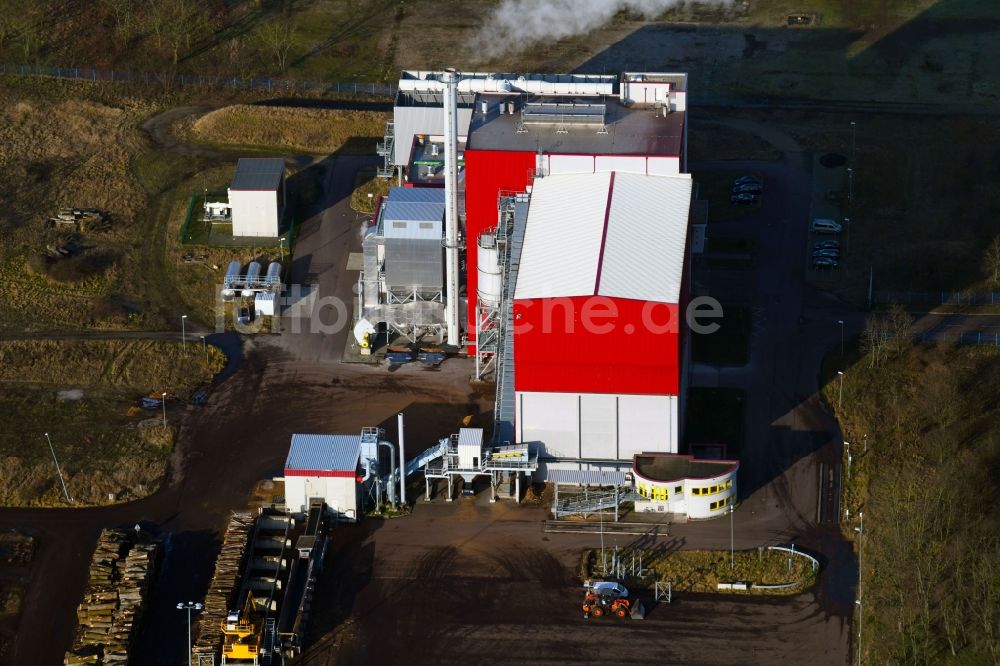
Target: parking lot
(474,582)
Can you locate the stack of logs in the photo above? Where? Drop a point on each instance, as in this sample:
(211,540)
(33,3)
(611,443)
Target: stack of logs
(119,579)
(225,582)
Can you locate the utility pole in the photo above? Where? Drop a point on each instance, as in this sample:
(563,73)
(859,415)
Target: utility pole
(62,481)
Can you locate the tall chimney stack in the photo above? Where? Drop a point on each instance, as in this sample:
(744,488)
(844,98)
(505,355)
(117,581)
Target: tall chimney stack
(450,80)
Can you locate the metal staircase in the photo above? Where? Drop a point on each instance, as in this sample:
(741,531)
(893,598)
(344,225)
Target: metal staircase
(386,149)
(599,501)
(270,634)
(513,218)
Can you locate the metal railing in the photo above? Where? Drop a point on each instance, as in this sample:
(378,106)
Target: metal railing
(989,338)
(937,297)
(171,79)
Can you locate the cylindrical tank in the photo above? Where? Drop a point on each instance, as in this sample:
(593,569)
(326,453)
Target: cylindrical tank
(253,275)
(232,279)
(490,276)
(273,273)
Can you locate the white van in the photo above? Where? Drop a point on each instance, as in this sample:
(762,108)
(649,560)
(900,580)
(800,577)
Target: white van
(824,225)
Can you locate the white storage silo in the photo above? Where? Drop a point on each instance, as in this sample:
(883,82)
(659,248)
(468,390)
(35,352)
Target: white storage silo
(273,278)
(490,277)
(231,281)
(253,275)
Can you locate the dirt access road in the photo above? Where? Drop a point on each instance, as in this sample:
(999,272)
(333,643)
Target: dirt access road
(241,436)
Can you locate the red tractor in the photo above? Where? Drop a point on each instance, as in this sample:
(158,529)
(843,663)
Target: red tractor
(609,598)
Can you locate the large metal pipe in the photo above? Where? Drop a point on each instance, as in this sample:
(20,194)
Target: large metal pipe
(402,461)
(390,483)
(450,80)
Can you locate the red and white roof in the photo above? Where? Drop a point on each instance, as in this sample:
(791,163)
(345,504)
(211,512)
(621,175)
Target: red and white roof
(619,235)
(323,455)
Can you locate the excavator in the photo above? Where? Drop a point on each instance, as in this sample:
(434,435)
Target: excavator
(241,635)
(605,597)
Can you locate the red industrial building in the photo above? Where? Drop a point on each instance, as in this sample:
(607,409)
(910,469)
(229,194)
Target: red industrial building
(585,284)
(598,344)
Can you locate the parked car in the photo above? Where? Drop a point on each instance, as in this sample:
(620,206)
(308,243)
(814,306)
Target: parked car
(744,199)
(832,254)
(826,245)
(744,180)
(824,225)
(748,188)
(824,263)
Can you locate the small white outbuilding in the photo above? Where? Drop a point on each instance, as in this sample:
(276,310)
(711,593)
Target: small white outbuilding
(257,196)
(324,467)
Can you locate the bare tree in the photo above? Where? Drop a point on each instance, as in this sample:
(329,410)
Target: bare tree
(873,340)
(278,37)
(123,13)
(898,322)
(25,24)
(180,19)
(8,23)
(991,262)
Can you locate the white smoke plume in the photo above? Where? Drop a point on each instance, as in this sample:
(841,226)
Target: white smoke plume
(517,24)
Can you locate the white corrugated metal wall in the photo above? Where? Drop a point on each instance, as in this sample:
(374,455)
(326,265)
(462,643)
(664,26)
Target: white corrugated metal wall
(408,121)
(255,212)
(340,494)
(591,426)
(554,165)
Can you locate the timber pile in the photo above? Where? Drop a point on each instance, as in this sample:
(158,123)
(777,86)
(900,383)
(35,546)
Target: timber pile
(225,584)
(117,584)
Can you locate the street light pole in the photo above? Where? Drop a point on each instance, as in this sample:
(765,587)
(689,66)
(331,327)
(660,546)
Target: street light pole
(850,185)
(281,249)
(184,330)
(841,322)
(847,447)
(854,135)
(861,539)
(189,606)
(69,500)
(163,397)
(732,550)
(205,346)
(840,396)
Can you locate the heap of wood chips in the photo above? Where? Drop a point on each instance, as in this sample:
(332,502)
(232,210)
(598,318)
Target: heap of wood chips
(225,582)
(110,613)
